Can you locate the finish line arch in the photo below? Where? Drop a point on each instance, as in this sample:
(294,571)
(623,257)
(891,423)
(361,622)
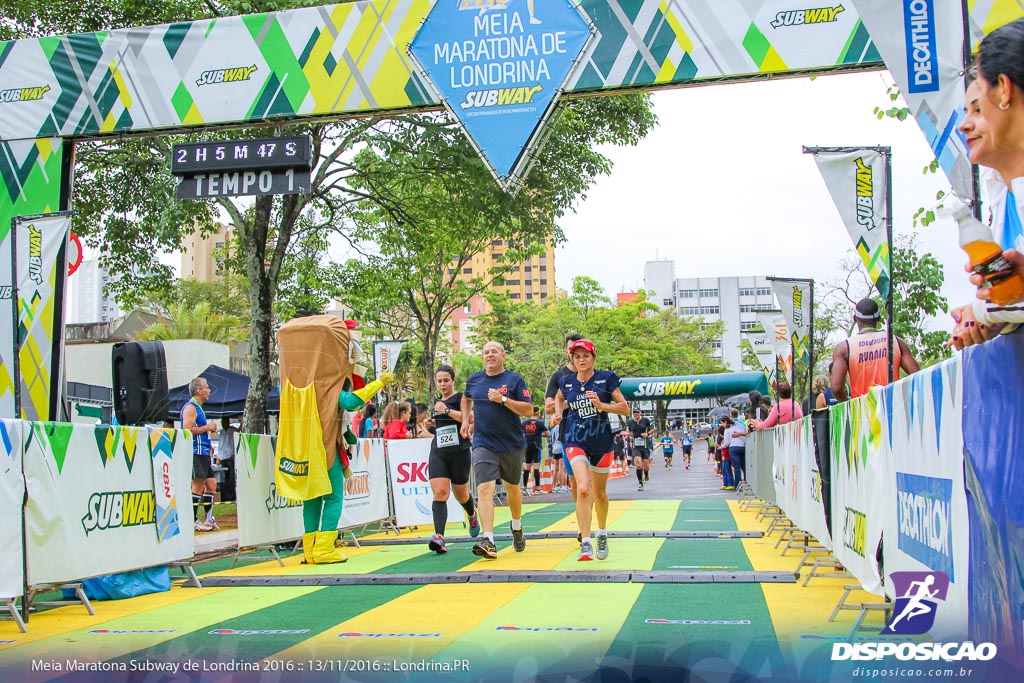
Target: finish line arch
(349,60)
(719,385)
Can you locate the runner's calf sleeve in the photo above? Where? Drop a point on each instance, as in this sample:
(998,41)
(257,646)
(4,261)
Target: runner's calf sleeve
(440,510)
(640,474)
(526,478)
(468,506)
(208,503)
(536,478)
(196,502)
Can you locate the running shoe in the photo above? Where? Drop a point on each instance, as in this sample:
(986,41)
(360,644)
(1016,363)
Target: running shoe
(437,544)
(518,540)
(485,548)
(474,526)
(203,526)
(586,552)
(602,546)
(212,523)
(640,487)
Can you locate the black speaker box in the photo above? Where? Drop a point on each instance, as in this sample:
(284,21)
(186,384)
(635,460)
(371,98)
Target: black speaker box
(140,382)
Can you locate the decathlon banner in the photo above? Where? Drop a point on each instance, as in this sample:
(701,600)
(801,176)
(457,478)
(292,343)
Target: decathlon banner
(799,494)
(12,491)
(264,517)
(41,244)
(385,356)
(992,430)
(922,43)
(861,471)
(366,491)
(161,449)
(856,180)
(91,506)
(410,484)
(926,503)
(795,301)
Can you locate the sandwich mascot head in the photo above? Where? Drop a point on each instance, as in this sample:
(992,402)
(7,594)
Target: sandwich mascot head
(320,382)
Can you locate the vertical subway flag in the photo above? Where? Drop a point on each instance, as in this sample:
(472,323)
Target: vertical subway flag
(922,43)
(856,180)
(499,69)
(795,301)
(41,274)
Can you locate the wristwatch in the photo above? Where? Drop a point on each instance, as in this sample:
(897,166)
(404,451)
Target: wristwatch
(447,411)
(504,400)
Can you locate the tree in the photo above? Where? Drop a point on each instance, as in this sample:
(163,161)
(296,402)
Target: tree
(198,322)
(430,206)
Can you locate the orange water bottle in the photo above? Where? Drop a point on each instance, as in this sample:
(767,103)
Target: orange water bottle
(987,258)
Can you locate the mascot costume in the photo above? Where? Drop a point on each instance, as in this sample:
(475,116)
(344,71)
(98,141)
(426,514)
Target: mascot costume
(320,382)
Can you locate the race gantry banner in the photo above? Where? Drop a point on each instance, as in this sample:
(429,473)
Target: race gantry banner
(410,484)
(500,69)
(922,44)
(366,491)
(41,242)
(351,58)
(799,494)
(856,180)
(264,516)
(925,508)
(861,469)
(91,505)
(795,301)
(12,492)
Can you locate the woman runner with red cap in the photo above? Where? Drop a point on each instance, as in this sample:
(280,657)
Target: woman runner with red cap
(589,395)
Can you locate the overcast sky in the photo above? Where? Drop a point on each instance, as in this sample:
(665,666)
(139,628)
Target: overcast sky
(722,188)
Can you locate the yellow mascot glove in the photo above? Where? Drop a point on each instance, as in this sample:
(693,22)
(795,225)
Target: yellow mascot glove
(357,399)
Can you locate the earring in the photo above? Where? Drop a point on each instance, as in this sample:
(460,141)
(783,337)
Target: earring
(1004,105)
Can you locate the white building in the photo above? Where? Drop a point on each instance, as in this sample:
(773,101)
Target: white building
(89,302)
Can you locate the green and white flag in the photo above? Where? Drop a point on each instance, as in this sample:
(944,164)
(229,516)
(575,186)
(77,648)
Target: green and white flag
(795,301)
(856,180)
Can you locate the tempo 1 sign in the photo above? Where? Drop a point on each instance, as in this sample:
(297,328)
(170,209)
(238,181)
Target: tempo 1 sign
(231,168)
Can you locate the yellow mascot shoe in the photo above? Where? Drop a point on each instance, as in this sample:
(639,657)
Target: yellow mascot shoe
(324,550)
(308,542)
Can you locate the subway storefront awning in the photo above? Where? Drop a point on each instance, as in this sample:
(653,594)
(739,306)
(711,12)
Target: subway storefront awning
(722,385)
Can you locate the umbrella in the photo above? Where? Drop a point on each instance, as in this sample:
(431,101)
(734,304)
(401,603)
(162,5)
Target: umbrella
(739,401)
(721,411)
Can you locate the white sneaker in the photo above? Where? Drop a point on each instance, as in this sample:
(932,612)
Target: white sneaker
(203,526)
(602,547)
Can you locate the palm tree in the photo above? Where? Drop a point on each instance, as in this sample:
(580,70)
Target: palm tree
(183,322)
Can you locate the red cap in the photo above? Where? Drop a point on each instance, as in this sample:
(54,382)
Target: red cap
(584,344)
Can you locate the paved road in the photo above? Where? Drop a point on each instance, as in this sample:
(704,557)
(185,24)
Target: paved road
(678,483)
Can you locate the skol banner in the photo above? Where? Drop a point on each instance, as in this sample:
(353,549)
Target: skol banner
(366,491)
(856,180)
(12,491)
(91,505)
(385,356)
(925,512)
(264,516)
(860,470)
(799,494)
(410,484)
(795,301)
(775,326)
(41,262)
(922,43)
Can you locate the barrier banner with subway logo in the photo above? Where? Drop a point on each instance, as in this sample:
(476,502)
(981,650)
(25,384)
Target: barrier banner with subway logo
(265,516)
(410,484)
(91,504)
(12,490)
(798,480)
(925,503)
(860,471)
(856,180)
(41,273)
(993,434)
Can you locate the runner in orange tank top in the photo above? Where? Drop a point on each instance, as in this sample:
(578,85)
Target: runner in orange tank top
(864,356)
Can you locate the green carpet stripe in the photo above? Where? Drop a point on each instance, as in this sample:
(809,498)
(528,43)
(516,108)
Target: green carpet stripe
(317,611)
(658,645)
